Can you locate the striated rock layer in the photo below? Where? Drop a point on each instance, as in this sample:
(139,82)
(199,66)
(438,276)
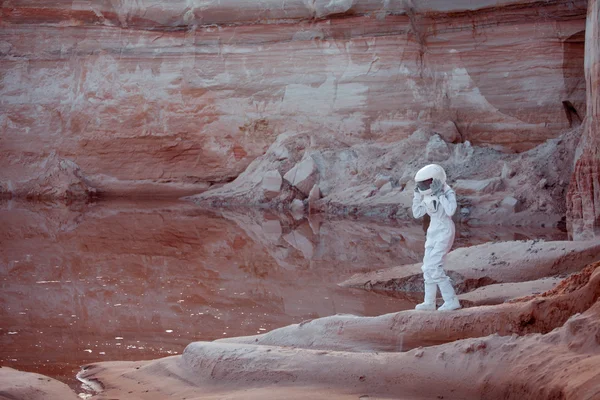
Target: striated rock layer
(170,98)
(489,263)
(584,192)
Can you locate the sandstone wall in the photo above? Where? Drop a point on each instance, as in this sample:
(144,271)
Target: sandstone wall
(584,193)
(172,97)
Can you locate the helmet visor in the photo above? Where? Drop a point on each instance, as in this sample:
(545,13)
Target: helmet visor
(424,185)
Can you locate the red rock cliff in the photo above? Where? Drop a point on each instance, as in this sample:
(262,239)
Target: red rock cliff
(171,97)
(584,191)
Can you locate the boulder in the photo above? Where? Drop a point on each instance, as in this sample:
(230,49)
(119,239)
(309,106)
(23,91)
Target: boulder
(509,203)
(385,189)
(437,150)
(315,225)
(303,175)
(381,180)
(58,179)
(448,131)
(281,153)
(507,171)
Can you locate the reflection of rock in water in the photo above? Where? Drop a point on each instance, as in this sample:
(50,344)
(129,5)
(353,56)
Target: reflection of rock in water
(371,243)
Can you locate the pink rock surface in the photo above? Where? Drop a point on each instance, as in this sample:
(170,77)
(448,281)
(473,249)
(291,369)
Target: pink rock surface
(584,192)
(502,292)
(489,263)
(173,98)
(24,385)
(303,175)
(408,329)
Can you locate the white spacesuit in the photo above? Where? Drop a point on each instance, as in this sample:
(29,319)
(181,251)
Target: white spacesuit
(434,197)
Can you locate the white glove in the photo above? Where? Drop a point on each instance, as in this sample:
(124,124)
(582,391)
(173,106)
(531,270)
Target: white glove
(437,187)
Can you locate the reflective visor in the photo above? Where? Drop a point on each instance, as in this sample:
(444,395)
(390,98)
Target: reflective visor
(424,185)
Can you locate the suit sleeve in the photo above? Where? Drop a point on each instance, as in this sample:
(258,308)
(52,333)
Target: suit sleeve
(448,201)
(418,208)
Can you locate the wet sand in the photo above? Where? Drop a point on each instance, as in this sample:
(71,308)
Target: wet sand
(137,281)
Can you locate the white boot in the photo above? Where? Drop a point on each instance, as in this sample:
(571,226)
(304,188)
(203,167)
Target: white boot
(450,300)
(429,303)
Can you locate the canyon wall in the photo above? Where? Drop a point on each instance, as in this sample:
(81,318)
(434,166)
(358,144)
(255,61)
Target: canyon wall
(170,98)
(584,192)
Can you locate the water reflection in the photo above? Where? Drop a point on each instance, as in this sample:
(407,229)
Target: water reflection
(132,281)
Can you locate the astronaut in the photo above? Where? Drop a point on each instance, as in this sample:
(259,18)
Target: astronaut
(434,197)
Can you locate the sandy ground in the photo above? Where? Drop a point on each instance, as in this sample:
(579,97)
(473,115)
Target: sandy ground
(502,292)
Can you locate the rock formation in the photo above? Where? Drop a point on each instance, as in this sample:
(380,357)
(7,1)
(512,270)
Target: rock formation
(172,98)
(373,179)
(489,263)
(584,192)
